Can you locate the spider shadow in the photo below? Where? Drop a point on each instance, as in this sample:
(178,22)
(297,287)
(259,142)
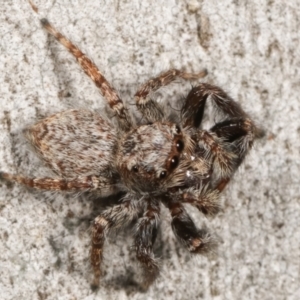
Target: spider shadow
(65,81)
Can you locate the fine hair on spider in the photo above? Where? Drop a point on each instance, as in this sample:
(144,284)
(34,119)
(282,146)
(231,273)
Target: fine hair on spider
(157,162)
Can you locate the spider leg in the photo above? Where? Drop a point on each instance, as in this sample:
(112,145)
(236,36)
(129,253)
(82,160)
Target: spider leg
(239,132)
(111,219)
(218,152)
(204,199)
(149,108)
(87,183)
(194,239)
(109,93)
(193,108)
(144,238)
(229,140)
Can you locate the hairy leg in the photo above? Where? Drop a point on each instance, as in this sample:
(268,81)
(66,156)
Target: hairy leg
(111,219)
(228,141)
(205,199)
(87,183)
(224,161)
(194,239)
(239,132)
(150,109)
(93,72)
(144,239)
(193,107)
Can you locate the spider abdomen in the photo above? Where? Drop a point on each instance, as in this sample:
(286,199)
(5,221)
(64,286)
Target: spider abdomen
(75,143)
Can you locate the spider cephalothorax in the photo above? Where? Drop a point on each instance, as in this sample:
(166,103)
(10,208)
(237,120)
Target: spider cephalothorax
(153,162)
(150,157)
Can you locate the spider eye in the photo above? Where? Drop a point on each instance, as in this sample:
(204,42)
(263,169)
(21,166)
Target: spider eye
(179,145)
(135,169)
(163,174)
(174,162)
(177,129)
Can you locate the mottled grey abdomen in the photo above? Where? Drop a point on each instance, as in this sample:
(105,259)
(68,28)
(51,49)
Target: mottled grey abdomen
(75,143)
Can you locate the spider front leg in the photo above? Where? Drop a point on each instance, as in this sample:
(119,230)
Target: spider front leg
(111,219)
(150,109)
(224,161)
(229,140)
(193,107)
(194,239)
(239,132)
(108,92)
(204,199)
(144,238)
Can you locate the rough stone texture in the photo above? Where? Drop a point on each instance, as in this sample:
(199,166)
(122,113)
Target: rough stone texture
(250,48)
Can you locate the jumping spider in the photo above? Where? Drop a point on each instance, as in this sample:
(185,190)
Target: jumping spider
(152,160)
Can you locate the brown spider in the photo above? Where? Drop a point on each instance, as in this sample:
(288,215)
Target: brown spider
(154,160)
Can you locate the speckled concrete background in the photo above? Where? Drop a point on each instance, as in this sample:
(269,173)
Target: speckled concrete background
(250,48)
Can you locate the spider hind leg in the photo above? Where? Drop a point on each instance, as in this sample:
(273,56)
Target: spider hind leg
(108,92)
